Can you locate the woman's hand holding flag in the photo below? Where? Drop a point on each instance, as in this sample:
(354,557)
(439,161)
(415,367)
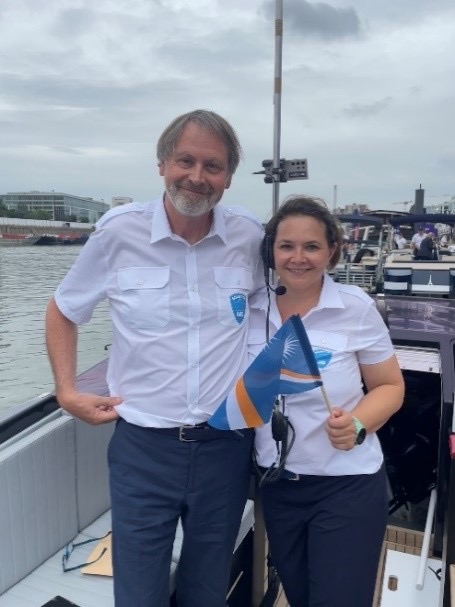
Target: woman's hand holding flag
(286,365)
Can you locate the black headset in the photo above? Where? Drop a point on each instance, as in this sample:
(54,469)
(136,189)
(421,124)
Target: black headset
(267,253)
(269,264)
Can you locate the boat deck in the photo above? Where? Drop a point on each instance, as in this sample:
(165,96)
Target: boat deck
(77,462)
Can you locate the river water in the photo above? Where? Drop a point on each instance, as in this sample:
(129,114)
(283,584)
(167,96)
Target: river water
(28,278)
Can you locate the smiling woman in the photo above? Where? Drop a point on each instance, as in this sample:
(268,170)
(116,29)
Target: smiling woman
(338,493)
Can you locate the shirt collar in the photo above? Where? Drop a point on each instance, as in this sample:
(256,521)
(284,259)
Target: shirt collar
(218,227)
(330,297)
(161,228)
(160,223)
(330,294)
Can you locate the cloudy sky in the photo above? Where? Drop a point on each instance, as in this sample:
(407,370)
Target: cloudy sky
(368,94)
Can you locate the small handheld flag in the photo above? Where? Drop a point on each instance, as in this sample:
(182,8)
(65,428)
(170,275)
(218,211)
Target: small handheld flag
(286,365)
(299,371)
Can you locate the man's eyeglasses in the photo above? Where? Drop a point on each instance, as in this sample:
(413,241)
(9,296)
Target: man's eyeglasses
(69,548)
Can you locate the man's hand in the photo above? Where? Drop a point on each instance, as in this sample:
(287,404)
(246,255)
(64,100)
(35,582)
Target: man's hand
(90,408)
(341,430)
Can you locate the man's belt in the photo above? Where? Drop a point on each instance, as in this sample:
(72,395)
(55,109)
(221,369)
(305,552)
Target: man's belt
(200,432)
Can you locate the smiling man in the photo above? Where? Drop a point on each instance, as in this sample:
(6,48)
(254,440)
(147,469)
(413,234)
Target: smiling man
(196,174)
(178,274)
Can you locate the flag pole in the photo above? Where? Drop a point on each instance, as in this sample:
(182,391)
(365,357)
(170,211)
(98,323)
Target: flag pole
(326,398)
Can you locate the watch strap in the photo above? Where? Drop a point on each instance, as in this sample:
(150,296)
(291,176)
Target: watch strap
(360,431)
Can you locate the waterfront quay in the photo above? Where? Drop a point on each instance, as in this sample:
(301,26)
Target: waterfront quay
(43,227)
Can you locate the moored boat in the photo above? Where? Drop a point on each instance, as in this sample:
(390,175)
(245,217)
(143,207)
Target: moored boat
(405,274)
(18,240)
(363,252)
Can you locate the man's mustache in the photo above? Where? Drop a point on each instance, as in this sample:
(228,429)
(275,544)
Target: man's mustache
(205,190)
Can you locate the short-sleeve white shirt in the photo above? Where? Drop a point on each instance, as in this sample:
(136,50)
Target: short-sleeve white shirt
(344,329)
(179,312)
(417,239)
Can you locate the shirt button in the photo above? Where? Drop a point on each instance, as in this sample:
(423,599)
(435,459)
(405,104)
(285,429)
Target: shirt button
(194,365)
(140,283)
(194,288)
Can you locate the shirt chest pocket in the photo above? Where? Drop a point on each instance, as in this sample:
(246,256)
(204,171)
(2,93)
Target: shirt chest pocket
(233,285)
(328,347)
(144,296)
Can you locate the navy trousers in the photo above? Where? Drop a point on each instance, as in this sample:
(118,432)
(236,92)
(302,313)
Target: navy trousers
(325,535)
(155,479)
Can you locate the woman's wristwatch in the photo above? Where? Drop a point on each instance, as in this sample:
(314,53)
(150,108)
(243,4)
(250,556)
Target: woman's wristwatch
(360,431)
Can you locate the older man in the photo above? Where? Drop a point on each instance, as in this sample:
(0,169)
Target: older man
(178,274)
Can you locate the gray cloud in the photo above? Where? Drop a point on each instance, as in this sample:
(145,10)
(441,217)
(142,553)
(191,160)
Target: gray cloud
(403,11)
(368,109)
(317,19)
(66,150)
(84,100)
(73,22)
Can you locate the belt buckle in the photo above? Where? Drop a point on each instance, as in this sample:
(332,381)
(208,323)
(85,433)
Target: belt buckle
(182,435)
(293,476)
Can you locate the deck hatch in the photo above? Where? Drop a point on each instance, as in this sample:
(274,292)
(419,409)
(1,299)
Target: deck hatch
(418,359)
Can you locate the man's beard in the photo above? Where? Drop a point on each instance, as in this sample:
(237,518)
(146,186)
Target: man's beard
(189,206)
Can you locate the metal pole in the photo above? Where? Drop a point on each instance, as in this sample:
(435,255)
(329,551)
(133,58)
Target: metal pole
(277,102)
(426,541)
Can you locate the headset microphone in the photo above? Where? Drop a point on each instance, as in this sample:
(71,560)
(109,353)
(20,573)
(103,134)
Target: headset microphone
(280,290)
(267,259)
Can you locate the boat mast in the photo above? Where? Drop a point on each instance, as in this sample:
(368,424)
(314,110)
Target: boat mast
(277,102)
(278,169)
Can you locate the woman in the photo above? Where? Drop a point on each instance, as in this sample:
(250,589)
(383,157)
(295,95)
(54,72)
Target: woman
(326,513)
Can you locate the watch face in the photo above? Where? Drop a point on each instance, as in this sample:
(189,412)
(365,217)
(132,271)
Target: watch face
(361,434)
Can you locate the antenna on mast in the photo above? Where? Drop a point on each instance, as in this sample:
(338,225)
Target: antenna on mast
(280,170)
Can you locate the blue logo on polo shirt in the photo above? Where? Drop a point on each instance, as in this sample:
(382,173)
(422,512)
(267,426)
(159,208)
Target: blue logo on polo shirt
(238,306)
(323,358)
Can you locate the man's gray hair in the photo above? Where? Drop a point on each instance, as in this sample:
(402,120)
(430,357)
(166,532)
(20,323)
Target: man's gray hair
(207,120)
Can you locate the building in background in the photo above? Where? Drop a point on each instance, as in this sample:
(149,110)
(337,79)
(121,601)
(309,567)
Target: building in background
(352,209)
(57,205)
(118,201)
(445,206)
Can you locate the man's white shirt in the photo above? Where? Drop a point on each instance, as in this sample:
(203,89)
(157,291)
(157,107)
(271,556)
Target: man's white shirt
(179,312)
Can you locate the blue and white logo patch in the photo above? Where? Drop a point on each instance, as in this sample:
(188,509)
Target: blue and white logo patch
(323,358)
(238,306)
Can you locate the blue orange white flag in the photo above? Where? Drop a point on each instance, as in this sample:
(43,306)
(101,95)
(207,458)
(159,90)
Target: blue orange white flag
(299,371)
(286,365)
